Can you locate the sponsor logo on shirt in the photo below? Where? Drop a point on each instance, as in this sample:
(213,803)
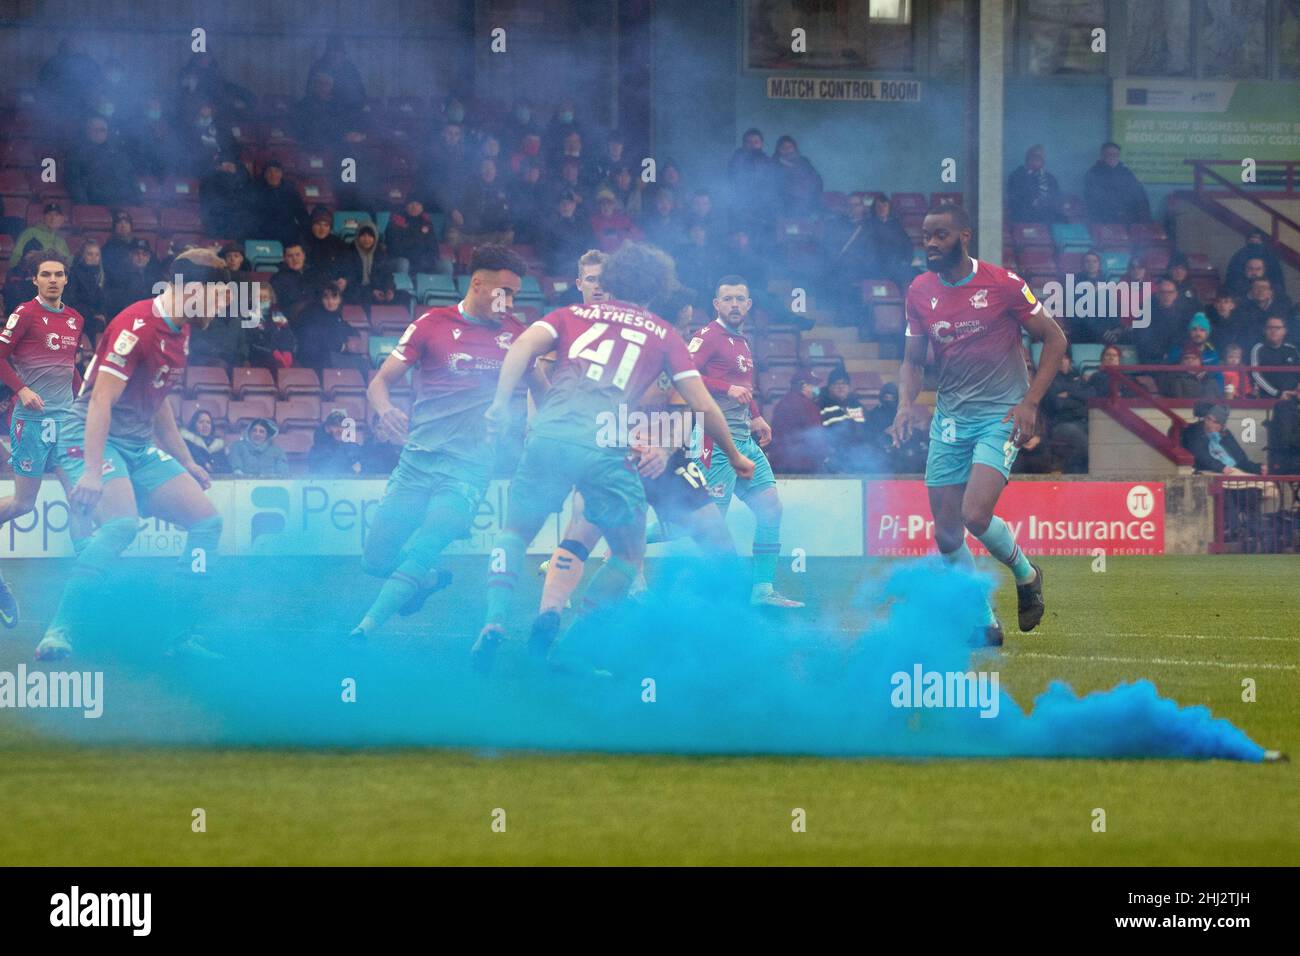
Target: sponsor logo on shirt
(125,342)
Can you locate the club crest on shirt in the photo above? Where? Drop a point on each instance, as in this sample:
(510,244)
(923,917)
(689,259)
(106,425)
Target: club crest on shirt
(504,339)
(980,300)
(72,323)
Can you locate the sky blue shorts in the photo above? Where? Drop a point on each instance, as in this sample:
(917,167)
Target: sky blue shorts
(955,446)
(32,440)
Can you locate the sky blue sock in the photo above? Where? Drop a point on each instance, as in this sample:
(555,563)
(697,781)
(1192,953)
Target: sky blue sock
(1002,545)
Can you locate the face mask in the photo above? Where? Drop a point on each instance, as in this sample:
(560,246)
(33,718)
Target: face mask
(566,117)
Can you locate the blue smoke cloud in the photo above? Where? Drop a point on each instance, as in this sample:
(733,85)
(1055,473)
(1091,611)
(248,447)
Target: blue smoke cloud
(726,679)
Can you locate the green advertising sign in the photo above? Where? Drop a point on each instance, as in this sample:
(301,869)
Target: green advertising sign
(1161,123)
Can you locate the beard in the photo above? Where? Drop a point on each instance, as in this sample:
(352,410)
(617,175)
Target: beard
(946,261)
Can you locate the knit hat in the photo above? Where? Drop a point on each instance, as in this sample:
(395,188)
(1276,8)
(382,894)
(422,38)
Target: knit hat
(1198,321)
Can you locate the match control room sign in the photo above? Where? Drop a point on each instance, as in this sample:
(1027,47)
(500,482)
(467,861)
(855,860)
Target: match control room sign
(1047,517)
(816,88)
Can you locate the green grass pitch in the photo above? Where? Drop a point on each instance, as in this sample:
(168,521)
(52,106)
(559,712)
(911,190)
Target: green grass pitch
(1196,626)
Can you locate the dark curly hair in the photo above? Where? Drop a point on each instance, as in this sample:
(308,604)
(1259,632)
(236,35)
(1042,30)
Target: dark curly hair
(639,273)
(495,258)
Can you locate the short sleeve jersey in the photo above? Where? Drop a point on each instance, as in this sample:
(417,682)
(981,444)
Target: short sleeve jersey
(41,345)
(722,355)
(146,350)
(607,355)
(975,328)
(457,360)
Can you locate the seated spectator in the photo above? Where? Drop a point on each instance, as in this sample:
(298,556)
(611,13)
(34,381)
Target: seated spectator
(233,254)
(99,171)
(223,343)
(293,284)
(606,166)
(1226,322)
(321,120)
(278,211)
(325,251)
(529,198)
(626,190)
(1091,268)
(611,226)
(1170,314)
(697,261)
(529,152)
(442,178)
(701,212)
(1066,405)
(330,454)
(225,198)
(1099,383)
(1284,435)
(203,139)
(271,342)
(1275,350)
(137,282)
(347,85)
(1213,447)
(565,236)
(844,428)
(1236,384)
(207,447)
(48,236)
(1193,381)
(661,222)
(411,236)
(1111,192)
(1178,273)
(1261,303)
(1198,339)
(256,455)
(485,206)
(1033,194)
(892,245)
(1136,271)
(368,273)
(380,454)
(153,144)
(850,254)
(569,180)
(752,177)
(1240,271)
(797,445)
(117,249)
(323,335)
(798,184)
(87,289)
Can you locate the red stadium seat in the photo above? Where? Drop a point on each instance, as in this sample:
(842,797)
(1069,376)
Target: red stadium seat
(180,189)
(1036,259)
(946,199)
(7,247)
(22,153)
(1073,208)
(389,319)
(880,290)
(91,217)
(1147,232)
(206,379)
(15,206)
(1071,260)
(336,382)
(1029,235)
(835,202)
(295,442)
(14,182)
(1156,259)
(774,384)
(297,381)
(316,192)
(355,316)
(911,203)
(778,349)
(1110,235)
(143,218)
(887,320)
(150,189)
(299,410)
(246,382)
(866,384)
(175,404)
(819,353)
(239,414)
(1198,264)
(181,219)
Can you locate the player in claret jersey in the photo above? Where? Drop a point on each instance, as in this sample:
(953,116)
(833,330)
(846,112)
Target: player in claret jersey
(723,357)
(123,451)
(446,462)
(973,312)
(38,352)
(608,353)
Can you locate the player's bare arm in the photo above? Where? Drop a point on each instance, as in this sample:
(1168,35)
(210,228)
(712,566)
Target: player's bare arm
(1043,328)
(911,376)
(534,342)
(714,423)
(108,389)
(168,437)
(379,393)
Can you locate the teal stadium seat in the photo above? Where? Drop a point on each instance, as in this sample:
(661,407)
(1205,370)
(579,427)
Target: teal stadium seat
(1071,236)
(436,289)
(1114,264)
(348,221)
(263,255)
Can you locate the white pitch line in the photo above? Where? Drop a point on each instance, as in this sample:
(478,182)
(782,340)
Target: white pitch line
(1185,637)
(1151,660)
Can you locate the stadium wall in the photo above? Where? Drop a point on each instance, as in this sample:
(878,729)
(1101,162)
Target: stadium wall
(823,517)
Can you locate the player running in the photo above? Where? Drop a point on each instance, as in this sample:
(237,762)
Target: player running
(446,462)
(973,313)
(722,355)
(674,487)
(38,353)
(122,448)
(606,352)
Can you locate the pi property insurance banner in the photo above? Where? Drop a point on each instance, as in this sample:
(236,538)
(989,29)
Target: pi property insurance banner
(1047,517)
